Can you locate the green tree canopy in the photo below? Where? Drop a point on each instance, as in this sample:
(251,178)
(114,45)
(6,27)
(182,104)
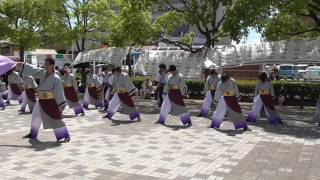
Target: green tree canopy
(85,19)
(22,20)
(280,19)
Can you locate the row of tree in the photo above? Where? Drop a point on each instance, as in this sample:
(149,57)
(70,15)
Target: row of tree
(121,23)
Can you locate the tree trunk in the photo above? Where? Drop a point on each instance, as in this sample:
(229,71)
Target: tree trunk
(82,44)
(209,41)
(78,46)
(21,53)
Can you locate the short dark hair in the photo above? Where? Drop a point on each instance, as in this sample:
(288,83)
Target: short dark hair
(263,76)
(117,69)
(162,65)
(172,68)
(212,71)
(50,61)
(224,77)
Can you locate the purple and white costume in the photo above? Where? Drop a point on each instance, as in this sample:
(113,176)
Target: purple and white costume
(210,89)
(174,91)
(51,100)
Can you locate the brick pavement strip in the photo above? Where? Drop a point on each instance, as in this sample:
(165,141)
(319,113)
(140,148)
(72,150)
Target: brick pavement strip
(100,149)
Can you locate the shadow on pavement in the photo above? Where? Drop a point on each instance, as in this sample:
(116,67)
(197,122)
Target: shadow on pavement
(176,127)
(38,145)
(119,122)
(68,116)
(230,132)
(25,113)
(290,127)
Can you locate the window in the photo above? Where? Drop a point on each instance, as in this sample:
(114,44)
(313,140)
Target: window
(286,67)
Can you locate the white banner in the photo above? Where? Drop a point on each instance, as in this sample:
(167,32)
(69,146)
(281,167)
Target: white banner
(292,52)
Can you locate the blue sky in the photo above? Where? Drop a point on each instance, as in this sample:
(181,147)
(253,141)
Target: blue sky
(253,37)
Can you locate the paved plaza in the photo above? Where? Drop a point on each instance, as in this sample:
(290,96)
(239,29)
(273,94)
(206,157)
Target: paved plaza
(101,149)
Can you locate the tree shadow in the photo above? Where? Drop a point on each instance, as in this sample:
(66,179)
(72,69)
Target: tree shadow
(290,128)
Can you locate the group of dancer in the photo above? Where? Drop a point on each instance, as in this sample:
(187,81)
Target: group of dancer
(56,90)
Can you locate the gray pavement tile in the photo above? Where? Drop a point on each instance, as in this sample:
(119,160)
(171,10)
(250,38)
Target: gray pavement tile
(139,167)
(162,170)
(144,151)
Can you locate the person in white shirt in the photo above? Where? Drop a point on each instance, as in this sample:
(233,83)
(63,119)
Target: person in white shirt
(146,89)
(160,82)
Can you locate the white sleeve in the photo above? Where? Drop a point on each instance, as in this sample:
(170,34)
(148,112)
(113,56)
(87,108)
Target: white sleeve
(129,85)
(158,77)
(206,86)
(59,93)
(34,84)
(74,82)
(29,70)
(218,93)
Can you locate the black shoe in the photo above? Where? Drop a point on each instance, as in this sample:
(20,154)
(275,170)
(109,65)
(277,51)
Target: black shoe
(28,136)
(158,122)
(66,140)
(190,124)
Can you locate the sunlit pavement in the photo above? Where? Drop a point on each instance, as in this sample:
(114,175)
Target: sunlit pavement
(101,149)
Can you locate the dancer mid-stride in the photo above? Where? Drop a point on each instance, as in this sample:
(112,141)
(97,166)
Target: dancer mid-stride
(210,89)
(15,87)
(29,93)
(107,86)
(123,89)
(92,94)
(263,100)
(174,91)
(48,109)
(71,90)
(227,96)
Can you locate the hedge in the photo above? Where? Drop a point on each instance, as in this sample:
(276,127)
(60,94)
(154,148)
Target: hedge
(246,87)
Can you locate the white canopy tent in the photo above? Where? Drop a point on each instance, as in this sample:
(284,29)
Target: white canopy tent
(114,56)
(294,52)
(104,55)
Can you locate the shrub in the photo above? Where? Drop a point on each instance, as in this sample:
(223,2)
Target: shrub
(246,87)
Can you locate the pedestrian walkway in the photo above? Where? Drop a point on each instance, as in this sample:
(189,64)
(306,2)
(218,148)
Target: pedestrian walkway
(101,149)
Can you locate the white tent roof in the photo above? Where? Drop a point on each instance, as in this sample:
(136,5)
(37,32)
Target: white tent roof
(104,55)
